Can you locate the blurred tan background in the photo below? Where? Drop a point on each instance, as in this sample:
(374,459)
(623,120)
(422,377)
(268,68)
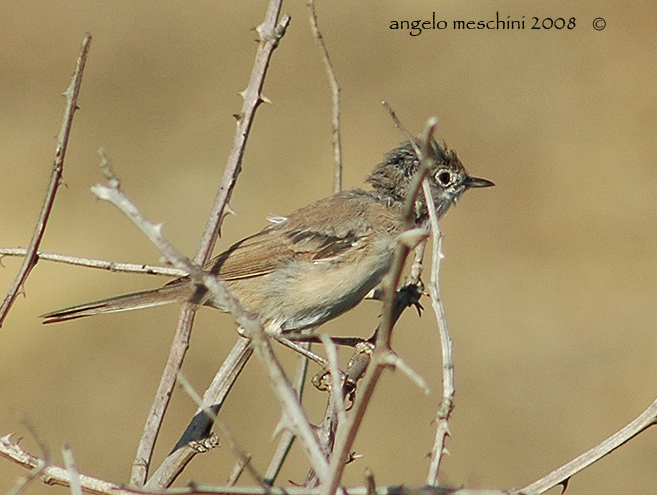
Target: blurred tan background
(550,278)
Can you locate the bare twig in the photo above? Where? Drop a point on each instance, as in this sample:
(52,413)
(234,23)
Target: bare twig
(355,371)
(335,391)
(180,343)
(37,469)
(54,475)
(335,98)
(293,412)
(561,475)
(60,476)
(31,257)
(361,490)
(195,489)
(243,457)
(394,361)
(398,123)
(73,474)
(270,33)
(346,433)
(447,403)
(416,268)
(200,426)
(237,471)
(110,266)
(287,437)
(335,412)
(302,350)
(295,415)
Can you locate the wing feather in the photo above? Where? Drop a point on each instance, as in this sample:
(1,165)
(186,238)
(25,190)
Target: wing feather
(309,234)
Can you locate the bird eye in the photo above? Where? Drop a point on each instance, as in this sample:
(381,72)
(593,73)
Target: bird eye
(444,178)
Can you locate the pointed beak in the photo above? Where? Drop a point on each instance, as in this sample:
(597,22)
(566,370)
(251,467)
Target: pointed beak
(477,182)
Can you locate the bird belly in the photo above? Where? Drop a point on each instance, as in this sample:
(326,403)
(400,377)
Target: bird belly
(307,294)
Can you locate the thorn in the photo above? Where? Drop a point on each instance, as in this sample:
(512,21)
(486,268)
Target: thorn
(238,117)
(258,29)
(398,363)
(228,210)
(278,430)
(264,99)
(158,228)
(242,93)
(283,425)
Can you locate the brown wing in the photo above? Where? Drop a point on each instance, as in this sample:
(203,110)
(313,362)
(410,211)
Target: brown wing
(309,234)
(269,249)
(251,257)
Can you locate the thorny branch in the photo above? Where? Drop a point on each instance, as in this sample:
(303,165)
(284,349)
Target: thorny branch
(335,98)
(31,257)
(270,33)
(199,429)
(242,455)
(381,356)
(111,266)
(286,436)
(447,403)
(294,412)
(562,475)
(55,475)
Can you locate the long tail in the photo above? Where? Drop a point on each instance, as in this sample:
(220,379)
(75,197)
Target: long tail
(127,302)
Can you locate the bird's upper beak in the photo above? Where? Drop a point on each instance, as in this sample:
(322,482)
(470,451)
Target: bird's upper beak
(477,182)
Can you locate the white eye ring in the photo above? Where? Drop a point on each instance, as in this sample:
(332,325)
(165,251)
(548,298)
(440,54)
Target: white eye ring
(444,177)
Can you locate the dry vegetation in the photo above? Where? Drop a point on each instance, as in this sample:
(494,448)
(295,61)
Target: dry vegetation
(562,341)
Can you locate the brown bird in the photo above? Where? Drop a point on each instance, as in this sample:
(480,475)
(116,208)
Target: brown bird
(319,261)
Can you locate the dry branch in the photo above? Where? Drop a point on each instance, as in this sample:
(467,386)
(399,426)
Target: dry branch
(270,33)
(111,266)
(335,97)
(295,415)
(346,433)
(31,257)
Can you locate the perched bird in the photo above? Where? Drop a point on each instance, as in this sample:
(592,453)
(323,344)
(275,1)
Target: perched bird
(319,261)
